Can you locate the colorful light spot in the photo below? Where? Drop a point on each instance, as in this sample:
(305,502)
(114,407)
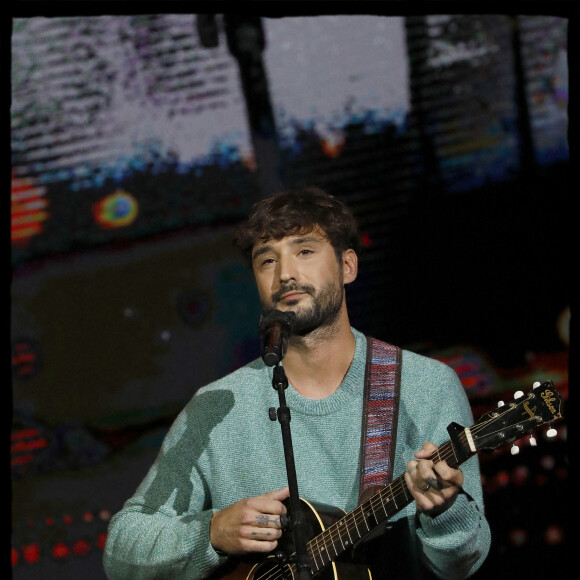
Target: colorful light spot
(518,537)
(28,209)
(60,551)
(81,548)
(31,553)
(553,535)
(117,210)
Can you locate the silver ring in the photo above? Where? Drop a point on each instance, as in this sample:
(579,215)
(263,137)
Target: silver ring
(427,486)
(412,469)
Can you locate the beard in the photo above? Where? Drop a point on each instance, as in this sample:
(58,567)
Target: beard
(321,313)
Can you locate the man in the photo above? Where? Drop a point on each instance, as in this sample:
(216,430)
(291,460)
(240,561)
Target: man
(217,488)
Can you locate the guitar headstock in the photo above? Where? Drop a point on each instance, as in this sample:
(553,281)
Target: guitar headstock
(541,406)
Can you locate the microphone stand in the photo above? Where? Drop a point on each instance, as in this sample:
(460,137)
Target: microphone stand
(280,384)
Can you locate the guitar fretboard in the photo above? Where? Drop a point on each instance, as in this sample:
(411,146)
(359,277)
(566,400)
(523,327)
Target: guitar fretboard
(343,534)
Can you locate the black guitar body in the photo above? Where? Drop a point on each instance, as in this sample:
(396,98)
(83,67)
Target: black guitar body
(337,571)
(315,519)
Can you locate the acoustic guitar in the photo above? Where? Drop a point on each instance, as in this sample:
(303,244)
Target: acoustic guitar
(333,533)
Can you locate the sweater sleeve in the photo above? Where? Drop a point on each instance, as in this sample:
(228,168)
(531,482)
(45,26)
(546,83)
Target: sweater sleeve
(455,543)
(163,530)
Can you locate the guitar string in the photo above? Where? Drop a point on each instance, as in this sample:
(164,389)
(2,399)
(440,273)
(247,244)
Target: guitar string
(336,529)
(445,452)
(359,519)
(359,516)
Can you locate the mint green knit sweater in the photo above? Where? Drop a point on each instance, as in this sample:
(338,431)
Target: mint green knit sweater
(223,447)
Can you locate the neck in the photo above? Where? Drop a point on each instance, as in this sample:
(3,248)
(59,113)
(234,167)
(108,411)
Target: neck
(317,364)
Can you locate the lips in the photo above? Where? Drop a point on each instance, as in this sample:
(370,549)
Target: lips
(289,294)
(292,295)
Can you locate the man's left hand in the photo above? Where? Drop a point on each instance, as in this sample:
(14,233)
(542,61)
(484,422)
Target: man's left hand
(433,485)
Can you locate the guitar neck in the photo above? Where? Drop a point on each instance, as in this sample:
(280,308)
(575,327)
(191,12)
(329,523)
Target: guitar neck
(351,528)
(543,405)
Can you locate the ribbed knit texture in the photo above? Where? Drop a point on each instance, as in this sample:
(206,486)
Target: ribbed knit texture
(223,447)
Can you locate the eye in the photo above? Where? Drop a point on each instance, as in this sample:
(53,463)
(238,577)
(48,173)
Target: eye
(305,251)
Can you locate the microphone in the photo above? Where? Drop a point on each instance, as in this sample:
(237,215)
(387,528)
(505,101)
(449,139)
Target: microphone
(275,328)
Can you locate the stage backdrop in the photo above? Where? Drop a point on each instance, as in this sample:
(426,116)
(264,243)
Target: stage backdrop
(138,143)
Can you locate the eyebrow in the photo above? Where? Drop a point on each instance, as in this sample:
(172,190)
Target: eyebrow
(295,241)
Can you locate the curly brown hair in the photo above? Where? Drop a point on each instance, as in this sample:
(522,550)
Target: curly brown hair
(297,212)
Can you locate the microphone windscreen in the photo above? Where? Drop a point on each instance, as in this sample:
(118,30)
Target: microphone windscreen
(275,328)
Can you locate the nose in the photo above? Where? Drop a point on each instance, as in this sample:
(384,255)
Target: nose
(286,269)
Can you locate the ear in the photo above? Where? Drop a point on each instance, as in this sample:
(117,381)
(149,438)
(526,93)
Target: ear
(349,266)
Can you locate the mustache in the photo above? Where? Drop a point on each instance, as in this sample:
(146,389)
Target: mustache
(306,288)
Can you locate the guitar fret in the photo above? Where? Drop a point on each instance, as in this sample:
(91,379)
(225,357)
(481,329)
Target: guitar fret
(456,461)
(340,524)
(332,543)
(355,524)
(314,564)
(375,514)
(348,529)
(321,552)
(366,521)
(326,552)
(368,514)
(446,448)
(325,558)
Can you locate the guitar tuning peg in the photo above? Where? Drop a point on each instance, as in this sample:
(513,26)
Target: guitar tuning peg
(515,449)
(536,385)
(533,441)
(500,404)
(551,432)
(518,394)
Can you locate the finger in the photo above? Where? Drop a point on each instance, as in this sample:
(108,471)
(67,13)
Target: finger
(266,511)
(450,476)
(424,472)
(413,481)
(426,451)
(277,494)
(260,534)
(271,508)
(412,466)
(423,477)
(431,484)
(268,521)
(253,545)
(280,494)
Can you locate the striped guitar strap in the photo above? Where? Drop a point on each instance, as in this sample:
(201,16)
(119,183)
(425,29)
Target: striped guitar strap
(380,410)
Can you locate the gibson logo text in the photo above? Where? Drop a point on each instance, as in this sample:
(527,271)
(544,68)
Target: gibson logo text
(548,397)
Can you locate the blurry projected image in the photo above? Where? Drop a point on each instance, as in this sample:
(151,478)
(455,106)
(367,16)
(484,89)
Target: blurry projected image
(122,126)
(347,69)
(358,76)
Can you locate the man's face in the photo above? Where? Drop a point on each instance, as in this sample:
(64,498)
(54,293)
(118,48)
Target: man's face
(300,273)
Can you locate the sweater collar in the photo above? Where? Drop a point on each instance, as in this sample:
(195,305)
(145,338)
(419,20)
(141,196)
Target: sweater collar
(350,389)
